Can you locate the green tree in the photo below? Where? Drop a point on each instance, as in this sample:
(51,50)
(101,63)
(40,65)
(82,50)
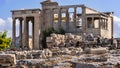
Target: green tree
(4,41)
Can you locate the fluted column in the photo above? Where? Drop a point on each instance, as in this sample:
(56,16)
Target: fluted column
(83,19)
(14,33)
(99,22)
(67,20)
(52,17)
(20,33)
(75,19)
(106,23)
(92,22)
(32,33)
(25,33)
(75,14)
(103,23)
(36,32)
(59,18)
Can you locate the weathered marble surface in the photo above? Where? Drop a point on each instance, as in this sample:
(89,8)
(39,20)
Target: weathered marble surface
(56,57)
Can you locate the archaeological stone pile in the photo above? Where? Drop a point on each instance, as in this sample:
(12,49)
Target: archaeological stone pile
(61,53)
(62,40)
(56,57)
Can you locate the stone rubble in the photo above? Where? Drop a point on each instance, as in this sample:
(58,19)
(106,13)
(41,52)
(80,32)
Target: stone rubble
(61,53)
(100,50)
(7,60)
(59,40)
(56,57)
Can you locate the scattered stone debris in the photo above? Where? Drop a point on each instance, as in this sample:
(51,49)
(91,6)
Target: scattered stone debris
(70,57)
(64,51)
(59,40)
(100,50)
(7,60)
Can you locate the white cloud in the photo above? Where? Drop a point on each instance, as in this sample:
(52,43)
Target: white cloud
(6,24)
(117,20)
(2,22)
(116,26)
(116,35)
(9,19)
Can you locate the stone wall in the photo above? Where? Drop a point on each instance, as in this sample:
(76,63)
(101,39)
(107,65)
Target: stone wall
(69,57)
(61,40)
(7,60)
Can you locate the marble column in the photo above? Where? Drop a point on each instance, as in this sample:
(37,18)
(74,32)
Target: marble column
(84,19)
(32,33)
(75,23)
(87,22)
(106,23)
(20,33)
(103,23)
(52,17)
(25,34)
(93,22)
(67,20)
(14,33)
(99,22)
(75,10)
(59,18)
(112,19)
(36,32)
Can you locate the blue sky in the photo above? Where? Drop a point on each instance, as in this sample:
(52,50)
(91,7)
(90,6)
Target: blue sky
(100,5)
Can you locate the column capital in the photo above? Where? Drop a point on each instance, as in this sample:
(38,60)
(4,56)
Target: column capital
(20,19)
(13,19)
(75,7)
(59,8)
(24,17)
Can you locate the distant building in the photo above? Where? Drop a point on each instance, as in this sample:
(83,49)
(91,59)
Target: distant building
(76,19)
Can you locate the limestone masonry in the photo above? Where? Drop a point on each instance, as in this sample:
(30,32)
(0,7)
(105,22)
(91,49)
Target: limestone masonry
(75,19)
(55,57)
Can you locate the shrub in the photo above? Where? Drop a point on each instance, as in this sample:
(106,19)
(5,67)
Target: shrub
(4,41)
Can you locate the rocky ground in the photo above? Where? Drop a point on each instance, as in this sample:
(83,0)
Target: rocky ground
(70,57)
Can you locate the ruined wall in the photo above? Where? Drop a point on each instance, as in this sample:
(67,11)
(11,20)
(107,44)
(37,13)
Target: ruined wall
(72,27)
(104,33)
(47,8)
(108,32)
(47,18)
(93,30)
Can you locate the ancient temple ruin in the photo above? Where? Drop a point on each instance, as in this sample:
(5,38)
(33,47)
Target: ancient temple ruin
(75,19)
